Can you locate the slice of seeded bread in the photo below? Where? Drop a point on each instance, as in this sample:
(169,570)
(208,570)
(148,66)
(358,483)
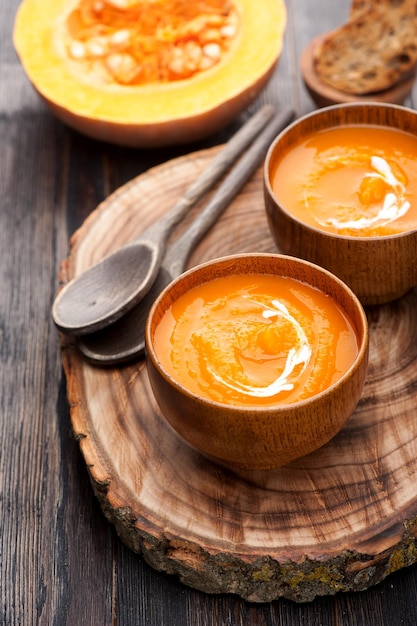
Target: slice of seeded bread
(356,6)
(373,50)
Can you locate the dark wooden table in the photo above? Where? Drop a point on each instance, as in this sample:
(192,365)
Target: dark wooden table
(61,562)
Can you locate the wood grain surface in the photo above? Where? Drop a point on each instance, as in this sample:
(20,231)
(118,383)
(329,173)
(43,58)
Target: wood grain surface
(340,519)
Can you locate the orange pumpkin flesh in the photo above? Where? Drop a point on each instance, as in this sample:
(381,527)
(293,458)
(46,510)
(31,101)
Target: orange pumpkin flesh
(139,94)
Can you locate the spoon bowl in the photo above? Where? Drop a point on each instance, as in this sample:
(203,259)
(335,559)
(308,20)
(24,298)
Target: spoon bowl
(99,296)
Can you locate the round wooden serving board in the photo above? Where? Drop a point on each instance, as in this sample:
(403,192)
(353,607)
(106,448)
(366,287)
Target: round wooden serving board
(340,519)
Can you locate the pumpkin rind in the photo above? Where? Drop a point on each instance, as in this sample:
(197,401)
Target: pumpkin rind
(155,114)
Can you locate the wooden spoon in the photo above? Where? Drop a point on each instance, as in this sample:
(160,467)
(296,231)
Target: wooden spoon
(124,340)
(108,289)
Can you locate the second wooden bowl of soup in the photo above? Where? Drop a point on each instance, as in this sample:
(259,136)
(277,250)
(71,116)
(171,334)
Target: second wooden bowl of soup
(256,360)
(340,189)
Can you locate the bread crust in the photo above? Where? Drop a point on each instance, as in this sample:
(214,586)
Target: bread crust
(374,50)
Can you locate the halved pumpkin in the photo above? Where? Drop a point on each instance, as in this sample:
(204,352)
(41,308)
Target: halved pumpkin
(110,69)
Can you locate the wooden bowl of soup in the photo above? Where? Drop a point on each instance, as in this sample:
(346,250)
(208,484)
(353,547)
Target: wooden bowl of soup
(340,187)
(256,360)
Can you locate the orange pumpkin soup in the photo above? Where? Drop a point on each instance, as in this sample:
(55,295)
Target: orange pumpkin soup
(255,339)
(351,180)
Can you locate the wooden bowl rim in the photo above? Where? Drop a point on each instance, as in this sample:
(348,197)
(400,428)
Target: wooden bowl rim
(363,337)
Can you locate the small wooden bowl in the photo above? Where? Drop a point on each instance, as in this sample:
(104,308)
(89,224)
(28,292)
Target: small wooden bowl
(325,95)
(258,438)
(378,269)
